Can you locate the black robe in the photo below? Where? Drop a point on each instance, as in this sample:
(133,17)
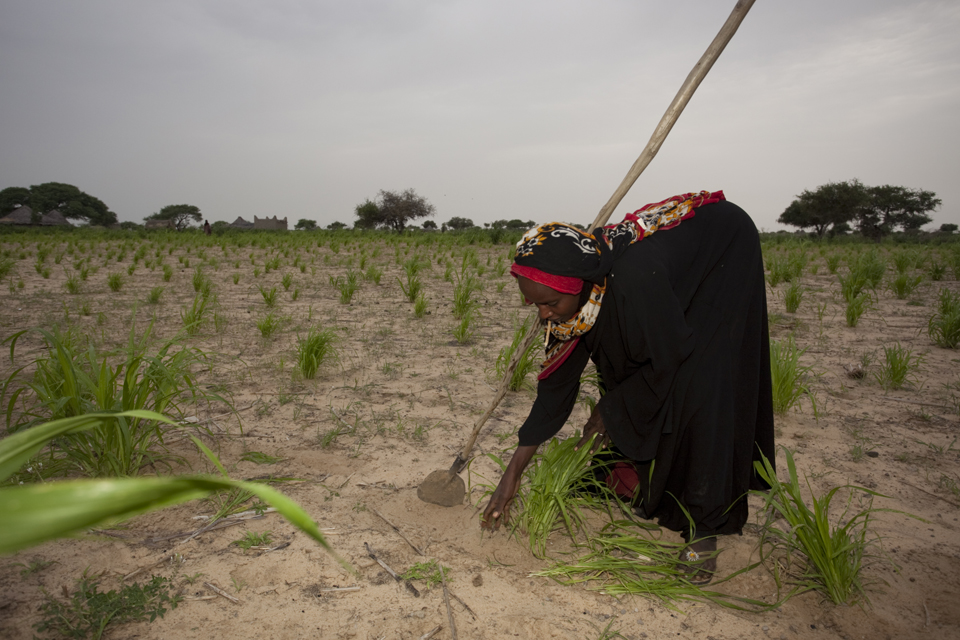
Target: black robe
(681,345)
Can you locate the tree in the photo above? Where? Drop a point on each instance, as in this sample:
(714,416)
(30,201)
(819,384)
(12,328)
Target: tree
(65,198)
(832,204)
(430,224)
(514,225)
(948,228)
(459,224)
(368,215)
(180,214)
(335,226)
(889,207)
(306,225)
(393,210)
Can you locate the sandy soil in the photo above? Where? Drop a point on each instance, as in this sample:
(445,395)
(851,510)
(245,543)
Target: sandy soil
(410,394)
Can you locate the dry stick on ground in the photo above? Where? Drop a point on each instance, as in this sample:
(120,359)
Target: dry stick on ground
(446,600)
(431,633)
(397,529)
(220,592)
(670,116)
(396,576)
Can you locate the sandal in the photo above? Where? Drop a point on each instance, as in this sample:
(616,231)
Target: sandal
(700,559)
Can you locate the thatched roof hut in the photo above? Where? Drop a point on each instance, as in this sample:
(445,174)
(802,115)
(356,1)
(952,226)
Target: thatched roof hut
(240,223)
(24,215)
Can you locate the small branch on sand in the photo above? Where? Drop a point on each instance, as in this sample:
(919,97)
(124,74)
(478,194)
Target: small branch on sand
(431,633)
(220,592)
(412,589)
(446,600)
(397,529)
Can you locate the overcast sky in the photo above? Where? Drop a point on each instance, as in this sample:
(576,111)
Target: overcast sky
(531,109)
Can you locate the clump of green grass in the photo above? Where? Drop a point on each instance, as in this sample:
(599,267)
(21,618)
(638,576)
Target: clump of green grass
(817,551)
(314,350)
(115,282)
(787,376)
(528,362)
(155,294)
(903,285)
(73,284)
(260,458)
(346,285)
(196,316)
(373,274)
(72,381)
(898,367)
(555,494)
(463,300)
(88,612)
(793,296)
(269,324)
(428,571)
(464,331)
(199,279)
(412,288)
(944,325)
(420,306)
(167,272)
(254,539)
(855,308)
(269,295)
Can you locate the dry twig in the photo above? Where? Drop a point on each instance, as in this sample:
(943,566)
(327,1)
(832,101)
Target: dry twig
(397,529)
(393,573)
(220,592)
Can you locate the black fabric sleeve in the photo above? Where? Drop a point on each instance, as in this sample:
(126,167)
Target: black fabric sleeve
(556,396)
(656,340)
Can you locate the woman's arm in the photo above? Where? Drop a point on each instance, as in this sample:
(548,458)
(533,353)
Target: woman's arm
(498,509)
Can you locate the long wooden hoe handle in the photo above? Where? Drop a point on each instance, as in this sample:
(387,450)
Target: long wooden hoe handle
(694,78)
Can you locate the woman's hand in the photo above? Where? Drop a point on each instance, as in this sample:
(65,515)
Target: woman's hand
(498,509)
(594,427)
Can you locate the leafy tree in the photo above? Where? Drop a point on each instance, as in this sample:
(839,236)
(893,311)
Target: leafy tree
(180,214)
(334,226)
(458,224)
(393,210)
(12,198)
(832,204)
(430,224)
(65,198)
(889,207)
(306,225)
(948,228)
(368,215)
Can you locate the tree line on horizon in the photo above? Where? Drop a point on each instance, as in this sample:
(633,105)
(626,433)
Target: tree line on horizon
(874,211)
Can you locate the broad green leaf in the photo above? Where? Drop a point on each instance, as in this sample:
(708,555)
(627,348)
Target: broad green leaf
(40,512)
(17,449)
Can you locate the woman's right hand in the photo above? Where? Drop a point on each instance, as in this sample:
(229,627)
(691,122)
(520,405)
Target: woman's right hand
(498,509)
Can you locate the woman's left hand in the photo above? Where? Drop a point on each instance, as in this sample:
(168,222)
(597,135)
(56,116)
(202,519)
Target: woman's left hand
(594,427)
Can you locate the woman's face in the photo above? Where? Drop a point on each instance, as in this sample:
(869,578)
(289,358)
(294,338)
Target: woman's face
(551,304)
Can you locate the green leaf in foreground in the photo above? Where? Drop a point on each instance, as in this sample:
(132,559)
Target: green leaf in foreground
(37,513)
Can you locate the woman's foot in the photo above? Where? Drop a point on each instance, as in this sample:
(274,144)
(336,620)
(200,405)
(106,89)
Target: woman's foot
(700,557)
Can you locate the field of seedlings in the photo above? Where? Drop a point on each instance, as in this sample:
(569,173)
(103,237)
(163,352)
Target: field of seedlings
(339,369)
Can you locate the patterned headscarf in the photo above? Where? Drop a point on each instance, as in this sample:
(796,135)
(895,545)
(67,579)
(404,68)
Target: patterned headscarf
(558,255)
